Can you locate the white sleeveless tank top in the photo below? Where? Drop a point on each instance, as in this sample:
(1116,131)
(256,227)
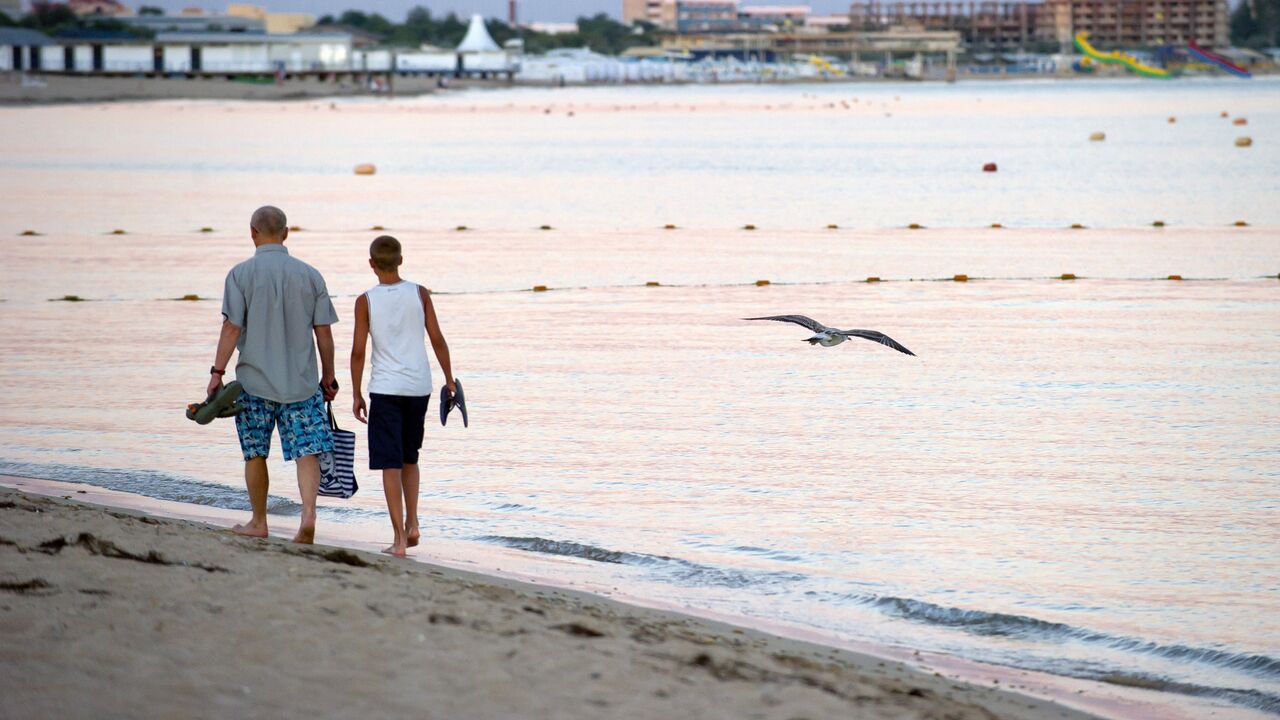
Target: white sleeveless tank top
(397,327)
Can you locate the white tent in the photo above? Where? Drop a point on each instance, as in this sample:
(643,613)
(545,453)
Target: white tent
(478,39)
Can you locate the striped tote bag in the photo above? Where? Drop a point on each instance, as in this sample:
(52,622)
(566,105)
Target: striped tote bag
(337,468)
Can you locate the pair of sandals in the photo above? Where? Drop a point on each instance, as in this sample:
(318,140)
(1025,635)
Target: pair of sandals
(222,404)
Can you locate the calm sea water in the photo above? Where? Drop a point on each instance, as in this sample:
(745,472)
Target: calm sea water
(1073,476)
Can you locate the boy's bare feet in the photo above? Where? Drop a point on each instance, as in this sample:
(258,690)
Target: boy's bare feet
(396,550)
(251,529)
(411,535)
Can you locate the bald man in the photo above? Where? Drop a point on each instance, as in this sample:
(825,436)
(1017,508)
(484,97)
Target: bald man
(272,306)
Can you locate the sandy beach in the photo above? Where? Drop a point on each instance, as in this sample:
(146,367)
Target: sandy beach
(108,613)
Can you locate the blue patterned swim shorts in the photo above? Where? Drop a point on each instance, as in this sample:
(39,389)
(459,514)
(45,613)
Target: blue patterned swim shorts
(304,426)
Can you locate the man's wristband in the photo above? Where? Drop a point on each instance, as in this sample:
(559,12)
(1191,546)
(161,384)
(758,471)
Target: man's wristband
(213,370)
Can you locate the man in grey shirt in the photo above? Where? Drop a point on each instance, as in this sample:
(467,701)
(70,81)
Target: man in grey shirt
(272,305)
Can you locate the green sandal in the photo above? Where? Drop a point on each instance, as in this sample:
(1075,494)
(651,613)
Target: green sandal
(218,405)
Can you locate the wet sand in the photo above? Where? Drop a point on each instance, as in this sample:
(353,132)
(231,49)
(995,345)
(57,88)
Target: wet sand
(108,613)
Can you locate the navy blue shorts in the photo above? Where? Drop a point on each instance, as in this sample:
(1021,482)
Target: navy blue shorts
(395,430)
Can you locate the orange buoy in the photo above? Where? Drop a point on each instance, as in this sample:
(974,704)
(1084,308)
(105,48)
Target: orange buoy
(989,167)
(653,283)
(748,226)
(761,283)
(1240,121)
(996,226)
(1175,277)
(1158,223)
(1241,223)
(28,233)
(1067,276)
(668,226)
(873,279)
(1223,114)
(833,226)
(1097,136)
(190,298)
(295,228)
(539,288)
(1077,226)
(117,231)
(377,227)
(366,169)
(1244,141)
(915,226)
(1172,119)
(545,227)
(961,278)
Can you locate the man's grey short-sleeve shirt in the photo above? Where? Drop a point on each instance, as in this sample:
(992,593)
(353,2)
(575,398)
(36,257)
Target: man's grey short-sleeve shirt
(276,300)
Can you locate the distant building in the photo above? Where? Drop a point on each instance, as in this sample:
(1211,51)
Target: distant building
(1110,23)
(550,28)
(23,49)
(279,23)
(103,8)
(360,37)
(775,16)
(708,16)
(195,23)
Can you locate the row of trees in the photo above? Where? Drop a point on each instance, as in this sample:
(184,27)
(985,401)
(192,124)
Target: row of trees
(600,32)
(1256,24)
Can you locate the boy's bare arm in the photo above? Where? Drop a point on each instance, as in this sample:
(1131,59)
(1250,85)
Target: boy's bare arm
(437,338)
(359,409)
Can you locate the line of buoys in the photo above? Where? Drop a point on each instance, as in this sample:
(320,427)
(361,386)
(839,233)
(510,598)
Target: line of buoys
(1241,223)
(28,233)
(960,278)
(460,228)
(366,169)
(377,228)
(545,227)
(1077,226)
(117,231)
(1158,223)
(206,229)
(748,226)
(989,167)
(539,288)
(1067,276)
(69,298)
(192,297)
(1175,277)
(1097,136)
(761,283)
(915,226)
(1244,141)
(873,279)
(1240,121)
(653,283)
(996,226)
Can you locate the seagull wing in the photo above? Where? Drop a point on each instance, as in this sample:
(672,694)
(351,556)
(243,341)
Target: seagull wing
(800,320)
(878,337)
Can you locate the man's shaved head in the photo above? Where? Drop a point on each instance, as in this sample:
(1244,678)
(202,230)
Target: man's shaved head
(269,221)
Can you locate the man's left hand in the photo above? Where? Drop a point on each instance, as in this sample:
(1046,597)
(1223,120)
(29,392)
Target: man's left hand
(329,385)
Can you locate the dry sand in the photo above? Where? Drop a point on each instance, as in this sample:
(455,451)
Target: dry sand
(107,613)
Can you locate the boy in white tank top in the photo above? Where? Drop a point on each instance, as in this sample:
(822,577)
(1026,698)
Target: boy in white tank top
(398,316)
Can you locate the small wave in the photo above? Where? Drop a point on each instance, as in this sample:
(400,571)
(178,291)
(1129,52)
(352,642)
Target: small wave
(683,572)
(981,622)
(163,486)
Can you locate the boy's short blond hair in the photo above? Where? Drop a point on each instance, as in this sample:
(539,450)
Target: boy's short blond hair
(385,253)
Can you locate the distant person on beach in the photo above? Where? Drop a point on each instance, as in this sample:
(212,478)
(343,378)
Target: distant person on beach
(272,305)
(397,315)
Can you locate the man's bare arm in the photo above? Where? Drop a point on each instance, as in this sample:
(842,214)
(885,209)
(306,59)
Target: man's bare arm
(227,339)
(437,338)
(324,342)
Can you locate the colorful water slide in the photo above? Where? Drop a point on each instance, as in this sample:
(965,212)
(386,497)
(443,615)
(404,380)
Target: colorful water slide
(1213,58)
(1116,57)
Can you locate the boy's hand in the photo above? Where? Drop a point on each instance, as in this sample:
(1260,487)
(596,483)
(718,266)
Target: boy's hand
(329,385)
(215,382)
(360,411)
(451,388)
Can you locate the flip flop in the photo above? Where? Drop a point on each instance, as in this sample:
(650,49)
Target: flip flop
(220,404)
(448,401)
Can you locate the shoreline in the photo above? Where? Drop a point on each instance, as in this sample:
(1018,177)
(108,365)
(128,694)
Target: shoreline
(734,667)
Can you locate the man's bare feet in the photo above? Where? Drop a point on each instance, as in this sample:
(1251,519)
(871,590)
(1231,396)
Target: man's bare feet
(251,529)
(396,550)
(411,535)
(306,535)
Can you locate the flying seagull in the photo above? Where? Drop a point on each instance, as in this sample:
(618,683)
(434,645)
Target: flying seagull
(828,336)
